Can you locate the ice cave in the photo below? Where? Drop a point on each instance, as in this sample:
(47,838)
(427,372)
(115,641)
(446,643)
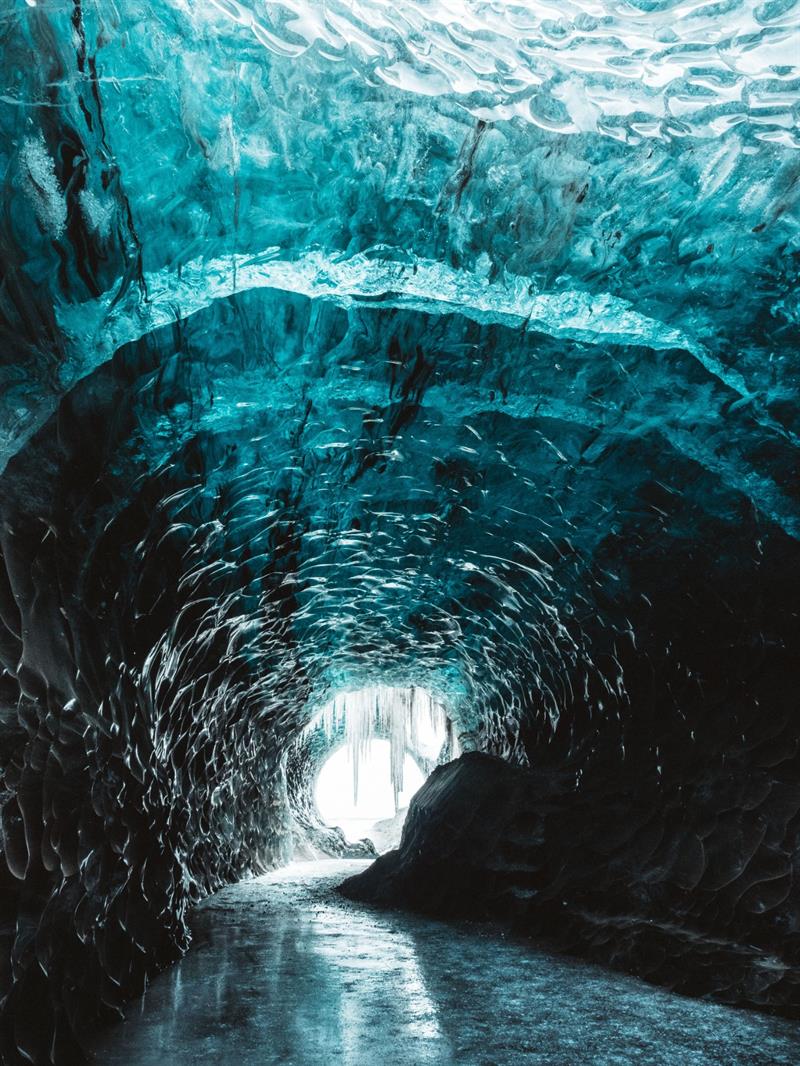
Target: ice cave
(400,398)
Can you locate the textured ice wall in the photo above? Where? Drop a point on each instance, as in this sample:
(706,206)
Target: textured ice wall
(168,144)
(441,345)
(631,71)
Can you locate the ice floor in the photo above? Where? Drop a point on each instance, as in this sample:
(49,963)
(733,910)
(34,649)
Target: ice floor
(283,970)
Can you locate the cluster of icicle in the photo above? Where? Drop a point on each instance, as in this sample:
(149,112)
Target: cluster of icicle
(394,714)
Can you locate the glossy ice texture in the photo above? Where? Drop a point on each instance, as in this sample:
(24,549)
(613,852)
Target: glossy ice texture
(285,971)
(387,344)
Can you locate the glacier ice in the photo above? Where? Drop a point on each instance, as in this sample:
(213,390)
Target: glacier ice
(391,347)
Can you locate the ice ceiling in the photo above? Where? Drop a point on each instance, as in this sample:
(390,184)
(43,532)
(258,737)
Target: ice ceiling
(351,344)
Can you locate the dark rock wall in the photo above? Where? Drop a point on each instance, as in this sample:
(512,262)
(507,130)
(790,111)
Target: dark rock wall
(692,886)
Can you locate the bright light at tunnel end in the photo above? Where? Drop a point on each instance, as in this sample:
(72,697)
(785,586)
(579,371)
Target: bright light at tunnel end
(376,800)
(382,738)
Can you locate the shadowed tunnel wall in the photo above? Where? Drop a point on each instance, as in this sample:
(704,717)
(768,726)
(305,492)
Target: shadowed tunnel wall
(317,376)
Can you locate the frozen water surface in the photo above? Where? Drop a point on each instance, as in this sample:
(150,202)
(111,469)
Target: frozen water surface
(283,970)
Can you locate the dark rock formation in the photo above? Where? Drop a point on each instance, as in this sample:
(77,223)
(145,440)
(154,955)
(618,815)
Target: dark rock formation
(694,889)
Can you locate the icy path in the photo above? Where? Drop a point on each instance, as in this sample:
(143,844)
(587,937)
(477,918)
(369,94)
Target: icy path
(283,970)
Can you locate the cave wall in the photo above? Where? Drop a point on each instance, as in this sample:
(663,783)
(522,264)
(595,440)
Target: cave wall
(344,359)
(135,784)
(692,886)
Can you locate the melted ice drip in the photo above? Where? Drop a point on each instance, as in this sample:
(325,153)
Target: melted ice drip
(410,718)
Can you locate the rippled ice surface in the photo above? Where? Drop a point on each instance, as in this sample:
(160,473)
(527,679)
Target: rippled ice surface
(285,971)
(635,69)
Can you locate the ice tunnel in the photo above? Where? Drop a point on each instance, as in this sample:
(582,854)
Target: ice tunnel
(439,346)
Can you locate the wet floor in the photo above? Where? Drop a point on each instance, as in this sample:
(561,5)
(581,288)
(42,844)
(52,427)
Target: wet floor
(283,970)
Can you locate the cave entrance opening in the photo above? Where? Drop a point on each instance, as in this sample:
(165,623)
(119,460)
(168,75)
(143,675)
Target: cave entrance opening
(374,810)
(384,741)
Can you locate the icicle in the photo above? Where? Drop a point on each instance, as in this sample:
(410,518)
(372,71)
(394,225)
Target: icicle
(394,713)
(398,715)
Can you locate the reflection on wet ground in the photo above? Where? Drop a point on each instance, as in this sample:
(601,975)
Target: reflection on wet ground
(282,970)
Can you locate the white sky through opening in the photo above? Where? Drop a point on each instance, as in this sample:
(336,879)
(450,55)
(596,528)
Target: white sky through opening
(373,772)
(334,789)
